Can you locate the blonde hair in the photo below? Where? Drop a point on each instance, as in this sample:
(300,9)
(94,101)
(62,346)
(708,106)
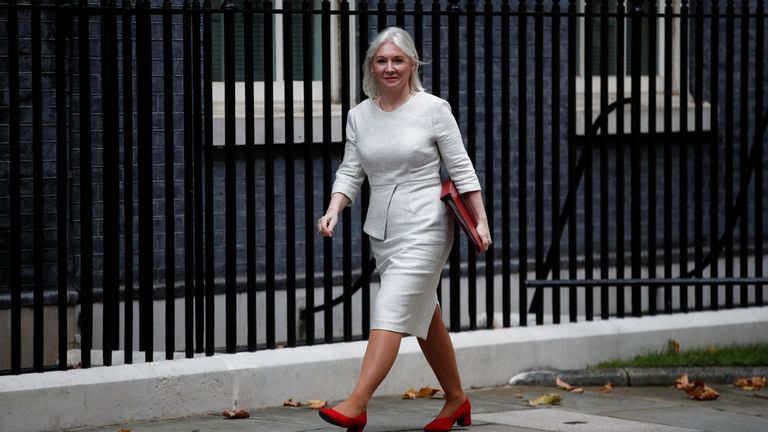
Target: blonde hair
(402,40)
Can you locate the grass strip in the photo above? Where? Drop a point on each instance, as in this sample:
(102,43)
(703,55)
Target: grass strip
(727,356)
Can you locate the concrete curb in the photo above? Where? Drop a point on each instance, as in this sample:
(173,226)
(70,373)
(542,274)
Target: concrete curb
(637,377)
(169,389)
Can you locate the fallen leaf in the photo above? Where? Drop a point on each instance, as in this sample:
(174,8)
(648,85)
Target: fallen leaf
(519,395)
(546,399)
(607,388)
(427,392)
(124,430)
(563,385)
(411,393)
(702,392)
(316,404)
(673,346)
(292,403)
(567,387)
(750,384)
(682,383)
(236,413)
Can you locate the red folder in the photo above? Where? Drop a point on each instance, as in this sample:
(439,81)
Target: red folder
(460,210)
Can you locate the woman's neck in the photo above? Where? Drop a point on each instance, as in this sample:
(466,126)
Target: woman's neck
(391,102)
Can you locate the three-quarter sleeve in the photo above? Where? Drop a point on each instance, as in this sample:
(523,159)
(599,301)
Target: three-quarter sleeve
(350,174)
(452,152)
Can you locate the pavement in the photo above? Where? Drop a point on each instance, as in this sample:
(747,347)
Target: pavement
(643,400)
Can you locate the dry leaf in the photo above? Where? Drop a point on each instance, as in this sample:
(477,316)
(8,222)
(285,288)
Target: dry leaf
(316,404)
(427,392)
(567,387)
(411,393)
(673,346)
(291,403)
(519,395)
(563,385)
(750,384)
(682,383)
(607,388)
(424,392)
(546,399)
(702,392)
(236,413)
(124,430)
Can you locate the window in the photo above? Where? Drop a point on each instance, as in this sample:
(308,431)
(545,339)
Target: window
(612,51)
(299,55)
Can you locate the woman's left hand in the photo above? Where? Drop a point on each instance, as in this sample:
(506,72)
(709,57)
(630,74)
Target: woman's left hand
(485,234)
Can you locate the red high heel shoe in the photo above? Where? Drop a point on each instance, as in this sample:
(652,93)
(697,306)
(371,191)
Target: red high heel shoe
(462,416)
(334,417)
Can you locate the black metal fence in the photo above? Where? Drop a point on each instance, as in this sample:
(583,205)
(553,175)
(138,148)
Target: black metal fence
(166,156)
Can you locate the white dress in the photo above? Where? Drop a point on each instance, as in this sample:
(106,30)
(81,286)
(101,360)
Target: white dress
(401,152)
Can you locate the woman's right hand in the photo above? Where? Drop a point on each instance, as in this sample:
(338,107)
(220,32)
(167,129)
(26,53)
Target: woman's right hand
(327,223)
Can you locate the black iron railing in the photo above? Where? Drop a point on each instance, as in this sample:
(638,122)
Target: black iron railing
(173,156)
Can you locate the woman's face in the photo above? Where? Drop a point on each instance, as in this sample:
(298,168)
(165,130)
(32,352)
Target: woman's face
(392,68)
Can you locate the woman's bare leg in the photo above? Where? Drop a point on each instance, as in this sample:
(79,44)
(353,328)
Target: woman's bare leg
(438,349)
(380,355)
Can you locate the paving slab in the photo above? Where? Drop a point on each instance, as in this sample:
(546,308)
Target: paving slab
(504,409)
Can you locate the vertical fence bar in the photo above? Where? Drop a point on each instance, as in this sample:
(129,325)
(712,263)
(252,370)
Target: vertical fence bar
(698,177)
(759,185)
(683,156)
(37,190)
(290,184)
(588,175)
(400,13)
(128,208)
(269,174)
(489,142)
(605,259)
(365,253)
(230,167)
(207,145)
(636,20)
(729,95)
(522,173)
(652,159)
(145,161)
(327,161)
(472,150)
(667,141)
(170,146)
(111,182)
(382,15)
(453,97)
(620,142)
(573,42)
(63,23)
(555,149)
(538,89)
(86,208)
(250,175)
(714,95)
(189,196)
(14,168)
(309,176)
(506,188)
(200,221)
(744,173)
(345,101)
(436,48)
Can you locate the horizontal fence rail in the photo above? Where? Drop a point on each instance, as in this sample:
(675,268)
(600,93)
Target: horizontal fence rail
(164,163)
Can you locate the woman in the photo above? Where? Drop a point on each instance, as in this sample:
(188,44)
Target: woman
(399,138)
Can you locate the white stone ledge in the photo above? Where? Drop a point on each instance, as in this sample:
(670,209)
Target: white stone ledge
(108,395)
